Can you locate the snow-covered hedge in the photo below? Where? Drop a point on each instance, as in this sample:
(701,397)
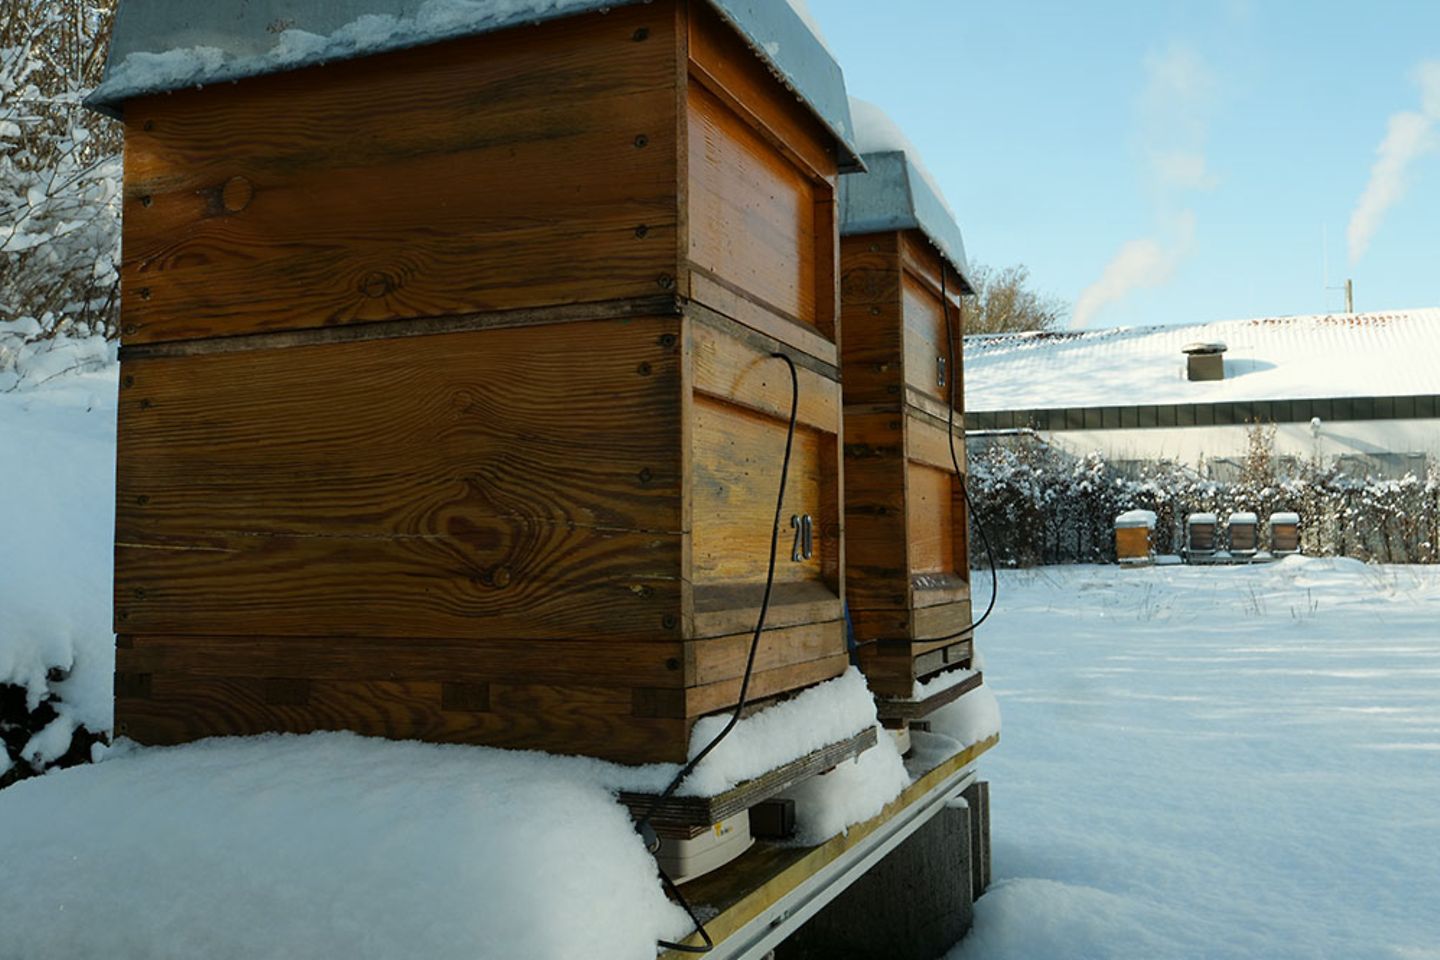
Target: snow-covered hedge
(1039,506)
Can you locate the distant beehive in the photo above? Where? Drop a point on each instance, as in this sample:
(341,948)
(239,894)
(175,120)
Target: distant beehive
(1200,534)
(1284,533)
(1244,538)
(902,266)
(448,410)
(1134,537)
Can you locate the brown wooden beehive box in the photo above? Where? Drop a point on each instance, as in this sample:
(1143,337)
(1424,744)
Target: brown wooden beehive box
(1284,533)
(1134,537)
(907,560)
(1200,534)
(1244,537)
(447,405)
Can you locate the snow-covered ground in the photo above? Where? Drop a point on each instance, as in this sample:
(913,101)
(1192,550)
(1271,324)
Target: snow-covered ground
(1215,762)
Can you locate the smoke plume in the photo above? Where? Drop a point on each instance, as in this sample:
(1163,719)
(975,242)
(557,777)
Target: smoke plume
(1409,135)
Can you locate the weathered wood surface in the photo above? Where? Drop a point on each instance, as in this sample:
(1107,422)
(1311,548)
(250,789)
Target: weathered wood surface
(756,881)
(907,560)
(1132,543)
(758,166)
(504,170)
(443,363)
(704,811)
(458,485)
(900,708)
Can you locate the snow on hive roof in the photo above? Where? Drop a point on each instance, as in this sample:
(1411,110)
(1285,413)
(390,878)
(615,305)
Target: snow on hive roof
(1392,353)
(164,45)
(897,192)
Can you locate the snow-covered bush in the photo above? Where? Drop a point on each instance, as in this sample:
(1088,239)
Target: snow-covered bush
(1039,505)
(60,169)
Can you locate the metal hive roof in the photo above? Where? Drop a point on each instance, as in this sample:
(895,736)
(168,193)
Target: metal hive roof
(163,45)
(895,195)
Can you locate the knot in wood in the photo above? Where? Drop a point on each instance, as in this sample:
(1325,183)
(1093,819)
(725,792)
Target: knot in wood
(376,284)
(236,194)
(501,577)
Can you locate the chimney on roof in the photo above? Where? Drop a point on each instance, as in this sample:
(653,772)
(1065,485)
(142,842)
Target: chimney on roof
(1204,361)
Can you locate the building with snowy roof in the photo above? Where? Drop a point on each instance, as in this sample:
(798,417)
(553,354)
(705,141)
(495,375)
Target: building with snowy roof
(1363,388)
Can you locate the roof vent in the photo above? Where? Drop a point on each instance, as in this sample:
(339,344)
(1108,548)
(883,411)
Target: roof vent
(1204,361)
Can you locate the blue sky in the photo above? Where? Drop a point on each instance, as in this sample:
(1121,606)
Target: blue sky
(1171,162)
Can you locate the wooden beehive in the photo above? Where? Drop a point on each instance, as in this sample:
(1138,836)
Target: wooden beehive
(1244,539)
(1200,534)
(1134,537)
(447,407)
(907,560)
(1284,533)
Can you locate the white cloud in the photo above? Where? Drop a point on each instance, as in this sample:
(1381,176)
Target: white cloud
(1147,262)
(1408,136)
(1175,106)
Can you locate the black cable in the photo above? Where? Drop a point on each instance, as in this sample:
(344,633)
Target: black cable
(955,462)
(689,768)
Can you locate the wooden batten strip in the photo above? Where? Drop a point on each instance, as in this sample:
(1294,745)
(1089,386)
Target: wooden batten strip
(704,811)
(764,318)
(899,709)
(659,306)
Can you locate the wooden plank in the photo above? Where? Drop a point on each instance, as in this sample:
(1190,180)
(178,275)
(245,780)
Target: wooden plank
(703,811)
(752,885)
(745,374)
(665,305)
(929,519)
(554,662)
(723,658)
(906,709)
(505,170)
(738,456)
(926,443)
(741,186)
(723,62)
(693,701)
(726,608)
(714,293)
(454,485)
(590,720)
(871,319)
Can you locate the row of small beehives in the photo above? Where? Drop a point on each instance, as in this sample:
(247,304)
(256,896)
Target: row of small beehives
(1206,541)
(448,407)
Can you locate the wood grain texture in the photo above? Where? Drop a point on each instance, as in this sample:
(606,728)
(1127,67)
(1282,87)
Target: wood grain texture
(591,720)
(737,460)
(1132,543)
(497,171)
(906,709)
(446,659)
(751,212)
(723,63)
(907,561)
(457,485)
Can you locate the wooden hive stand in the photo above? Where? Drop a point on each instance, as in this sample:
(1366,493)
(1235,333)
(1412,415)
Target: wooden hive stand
(448,408)
(907,560)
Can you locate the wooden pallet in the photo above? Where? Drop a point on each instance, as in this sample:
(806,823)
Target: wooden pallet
(755,885)
(682,811)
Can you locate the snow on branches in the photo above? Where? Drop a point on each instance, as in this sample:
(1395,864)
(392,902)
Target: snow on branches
(59,170)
